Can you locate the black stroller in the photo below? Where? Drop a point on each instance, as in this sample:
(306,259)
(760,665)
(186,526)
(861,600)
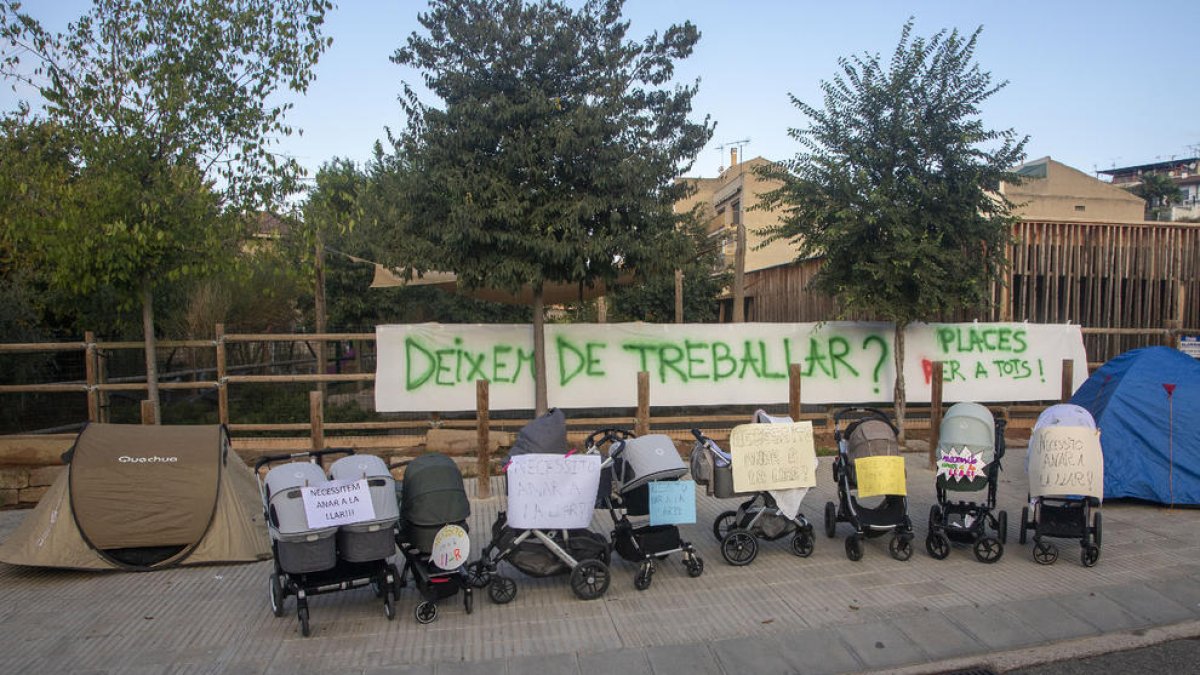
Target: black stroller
(434,505)
(970,447)
(633,464)
(543,553)
(315,560)
(1052,513)
(869,434)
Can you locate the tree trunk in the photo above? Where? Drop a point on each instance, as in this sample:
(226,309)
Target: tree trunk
(739,275)
(678,296)
(898,394)
(539,352)
(151,349)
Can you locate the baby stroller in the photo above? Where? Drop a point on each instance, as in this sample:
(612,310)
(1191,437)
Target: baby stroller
(633,464)
(314,560)
(869,434)
(770,515)
(970,447)
(543,553)
(1056,514)
(434,508)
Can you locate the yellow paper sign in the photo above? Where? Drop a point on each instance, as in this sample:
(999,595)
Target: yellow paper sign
(773,456)
(880,476)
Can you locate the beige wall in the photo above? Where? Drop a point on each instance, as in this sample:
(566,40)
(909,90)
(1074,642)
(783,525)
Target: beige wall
(1069,194)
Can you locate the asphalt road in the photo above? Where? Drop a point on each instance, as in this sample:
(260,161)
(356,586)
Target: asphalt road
(1180,656)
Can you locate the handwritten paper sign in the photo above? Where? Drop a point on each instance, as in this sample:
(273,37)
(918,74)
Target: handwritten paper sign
(338,502)
(1066,461)
(773,456)
(880,476)
(451,547)
(552,491)
(672,502)
(960,464)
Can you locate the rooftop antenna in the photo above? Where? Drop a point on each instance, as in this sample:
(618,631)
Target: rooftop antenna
(736,151)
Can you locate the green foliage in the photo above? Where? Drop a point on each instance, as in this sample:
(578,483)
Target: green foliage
(897,183)
(1159,190)
(552,152)
(653,299)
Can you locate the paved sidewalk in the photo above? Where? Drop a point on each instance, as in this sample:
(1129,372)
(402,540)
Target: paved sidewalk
(781,614)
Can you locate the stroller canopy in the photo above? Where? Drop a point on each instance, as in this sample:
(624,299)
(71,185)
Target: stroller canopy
(1065,415)
(872,438)
(433,492)
(545,435)
(966,446)
(649,458)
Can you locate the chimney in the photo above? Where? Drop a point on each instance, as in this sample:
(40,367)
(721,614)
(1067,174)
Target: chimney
(732,157)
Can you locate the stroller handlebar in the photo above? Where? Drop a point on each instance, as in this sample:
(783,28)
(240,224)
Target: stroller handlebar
(312,454)
(607,435)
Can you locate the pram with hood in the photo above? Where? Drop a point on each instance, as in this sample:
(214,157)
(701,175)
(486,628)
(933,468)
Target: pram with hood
(1066,483)
(633,464)
(542,552)
(770,515)
(869,435)
(970,447)
(432,534)
(311,559)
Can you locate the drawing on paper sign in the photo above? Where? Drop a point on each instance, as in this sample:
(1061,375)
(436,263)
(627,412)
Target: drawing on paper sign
(338,502)
(552,491)
(1066,461)
(672,502)
(451,548)
(882,475)
(960,464)
(773,456)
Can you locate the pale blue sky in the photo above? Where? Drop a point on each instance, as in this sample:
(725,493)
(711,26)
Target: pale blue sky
(1094,83)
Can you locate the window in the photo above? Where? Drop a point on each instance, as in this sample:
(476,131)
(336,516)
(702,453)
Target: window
(1080,207)
(736,209)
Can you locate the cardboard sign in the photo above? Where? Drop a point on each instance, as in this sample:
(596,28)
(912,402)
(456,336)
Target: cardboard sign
(338,502)
(880,476)
(1066,461)
(960,464)
(451,547)
(773,456)
(672,502)
(552,491)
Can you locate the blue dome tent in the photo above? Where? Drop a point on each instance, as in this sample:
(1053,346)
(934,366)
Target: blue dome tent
(1145,403)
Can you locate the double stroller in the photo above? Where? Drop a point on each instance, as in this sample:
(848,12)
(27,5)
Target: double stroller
(970,447)
(770,515)
(312,559)
(540,552)
(869,434)
(633,465)
(432,533)
(1066,483)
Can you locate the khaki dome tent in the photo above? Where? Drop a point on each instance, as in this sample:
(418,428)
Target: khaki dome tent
(145,497)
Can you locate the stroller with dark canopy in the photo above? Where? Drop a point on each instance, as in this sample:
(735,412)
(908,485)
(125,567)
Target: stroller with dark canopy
(869,434)
(433,504)
(970,447)
(543,553)
(633,464)
(1066,481)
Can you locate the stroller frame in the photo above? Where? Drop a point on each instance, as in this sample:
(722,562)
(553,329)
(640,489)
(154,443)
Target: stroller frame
(381,575)
(1063,518)
(589,577)
(634,539)
(948,519)
(890,516)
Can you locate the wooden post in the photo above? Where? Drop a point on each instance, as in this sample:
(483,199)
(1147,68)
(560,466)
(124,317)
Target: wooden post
(102,377)
(1068,379)
(642,424)
(316,414)
(148,412)
(935,411)
(358,347)
(89,366)
(678,296)
(483,484)
(222,384)
(794,391)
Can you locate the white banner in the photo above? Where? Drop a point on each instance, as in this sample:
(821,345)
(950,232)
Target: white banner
(338,502)
(435,366)
(552,492)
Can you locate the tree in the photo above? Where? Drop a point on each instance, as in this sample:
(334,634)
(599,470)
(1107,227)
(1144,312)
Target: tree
(552,153)
(166,104)
(1159,190)
(652,299)
(897,185)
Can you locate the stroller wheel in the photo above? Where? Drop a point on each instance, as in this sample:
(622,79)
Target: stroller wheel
(854,547)
(502,590)
(724,523)
(468,599)
(830,520)
(988,549)
(589,579)
(426,612)
(644,576)
(478,575)
(1090,555)
(302,614)
(1024,525)
(276,595)
(389,606)
(900,547)
(802,543)
(1044,553)
(937,545)
(695,566)
(1002,527)
(739,547)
